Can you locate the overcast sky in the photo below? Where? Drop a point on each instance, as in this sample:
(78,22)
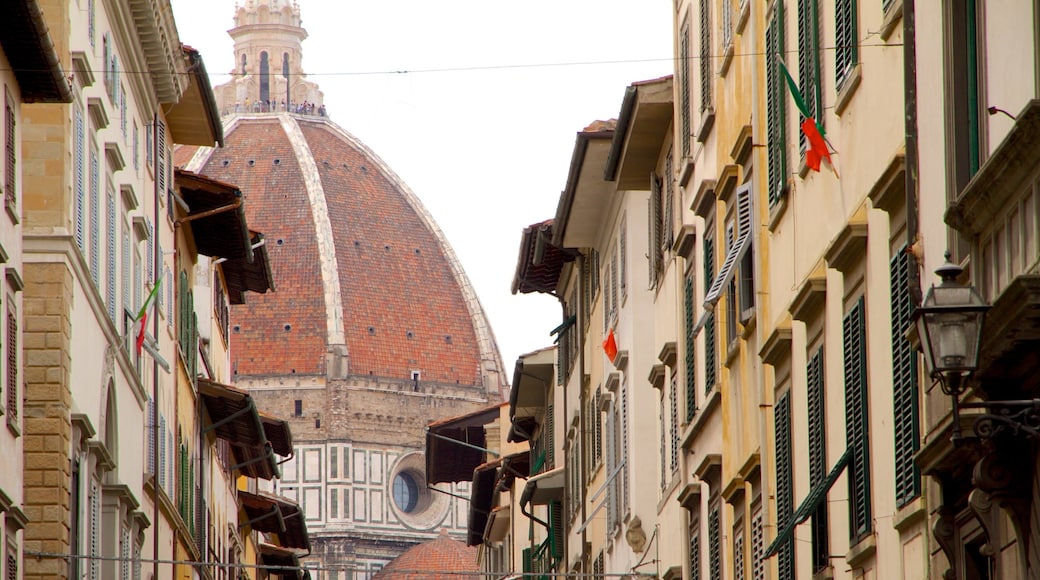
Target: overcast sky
(483,124)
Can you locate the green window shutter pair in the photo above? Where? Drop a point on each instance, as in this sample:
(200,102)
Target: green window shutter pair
(709,326)
(784,482)
(904,384)
(854,341)
(684,89)
(818,458)
(706,60)
(691,350)
(845,41)
(776,118)
(809,63)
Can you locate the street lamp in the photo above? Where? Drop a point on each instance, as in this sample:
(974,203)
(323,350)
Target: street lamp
(949,324)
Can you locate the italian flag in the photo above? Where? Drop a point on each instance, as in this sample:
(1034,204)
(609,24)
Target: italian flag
(141,323)
(818,150)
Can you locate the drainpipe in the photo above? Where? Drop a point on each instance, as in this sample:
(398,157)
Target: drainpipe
(157,260)
(910,118)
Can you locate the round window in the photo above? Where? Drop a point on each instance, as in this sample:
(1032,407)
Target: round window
(406,492)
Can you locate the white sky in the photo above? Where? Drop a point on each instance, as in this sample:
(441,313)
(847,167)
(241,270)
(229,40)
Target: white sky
(487,151)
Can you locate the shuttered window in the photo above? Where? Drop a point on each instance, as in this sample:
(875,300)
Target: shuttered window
(673,420)
(79,169)
(817,457)
(557,529)
(691,348)
(706,96)
(758,565)
(809,64)
(904,384)
(95,530)
(95,217)
(12,562)
(11,356)
(714,542)
(709,325)
(684,89)
(622,258)
(845,49)
(695,551)
(656,231)
(854,342)
(110,251)
(784,483)
(124,553)
(776,99)
(125,267)
(624,447)
(738,555)
(9,157)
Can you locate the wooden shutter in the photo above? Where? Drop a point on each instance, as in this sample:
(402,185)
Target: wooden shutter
(695,551)
(808,64)
(738,554)
(557,529)
(706,60)
(709,325)
(854,341)
(905,396)
(95,217)
(758,566)
(784,483)
(673,419)
(845,49)
(691,349)
(79,168)
(95,530)
(714,542)
(110,251)
(776,99)
(684,89)
(817,456)
(12,364)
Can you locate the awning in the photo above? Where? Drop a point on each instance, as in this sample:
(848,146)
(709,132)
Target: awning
(278,433)
(234,418)
(544,487)
(282,563)
(275,515)
(498,524)
(194,118)
(539,264)
(30,51)
(482,495)
(809,505)
(533,378)
(737,248)
(644,120)
(216,215)
(243,276)
(456,446)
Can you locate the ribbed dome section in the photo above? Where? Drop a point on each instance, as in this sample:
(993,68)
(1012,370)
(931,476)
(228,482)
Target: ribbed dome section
(357,261)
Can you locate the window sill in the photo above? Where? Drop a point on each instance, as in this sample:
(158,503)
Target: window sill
(742,17)
(776,213)
(825,573)
(861,551)
(12,211)
(711,402)
(893,15)
(707,122)
(748,324)
(727,58)
(12,426)
(848,88)
(908,515)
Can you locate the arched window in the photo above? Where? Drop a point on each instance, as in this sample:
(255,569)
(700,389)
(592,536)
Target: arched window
(265,78)
(243,64)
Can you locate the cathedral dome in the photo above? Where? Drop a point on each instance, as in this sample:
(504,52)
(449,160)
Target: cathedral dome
(367,285)
(440,559)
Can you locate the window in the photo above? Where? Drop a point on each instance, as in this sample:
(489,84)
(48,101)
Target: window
(110,250)
(726,16)
(684,89)
(95,530)
(817,457)
(656,230)
(809,64)
(137,147)
(731,287)
(784,482)
(669,203)
(187,327)
(845,41)
(11,356)
(904,383)
(854,342)
(673,420)
(95,216)
(690,343)
(662,444)
(10,200)
(221,308)
(776,103)
(963,103)
(758,566)
(406,492)
(706,60)
(623,410)
(715,541)
(709,324)
(622,258)
(79,170)
(695,550)
(298,408)
(91,24)
(125,270)
(738,552)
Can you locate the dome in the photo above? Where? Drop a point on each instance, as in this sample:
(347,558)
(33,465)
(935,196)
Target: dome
(366,284)
(439,559)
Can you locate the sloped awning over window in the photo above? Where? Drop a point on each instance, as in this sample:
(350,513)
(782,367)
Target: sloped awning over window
(539,264)
(275,515)
(233,417)
(533,378)
(456,446)
(216,214)
(544,487)
(278,433)
(242,275)
(282,563)
(808,506)
(482,496)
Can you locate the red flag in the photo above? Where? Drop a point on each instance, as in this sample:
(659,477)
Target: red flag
(817,146)
(610,346)
(142,316)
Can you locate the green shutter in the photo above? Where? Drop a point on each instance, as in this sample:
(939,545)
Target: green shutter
(709,325)
(817,457)
(854,341)
(776,98)
(845,48)
(684,88)
(784,483)
(904,384)
(809,63)
(691,350)
(714,543)
(706,60)
(557,529)
(528,561)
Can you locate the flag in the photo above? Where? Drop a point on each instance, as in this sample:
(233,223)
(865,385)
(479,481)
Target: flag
(142,316)
(610,346)
(818,149)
